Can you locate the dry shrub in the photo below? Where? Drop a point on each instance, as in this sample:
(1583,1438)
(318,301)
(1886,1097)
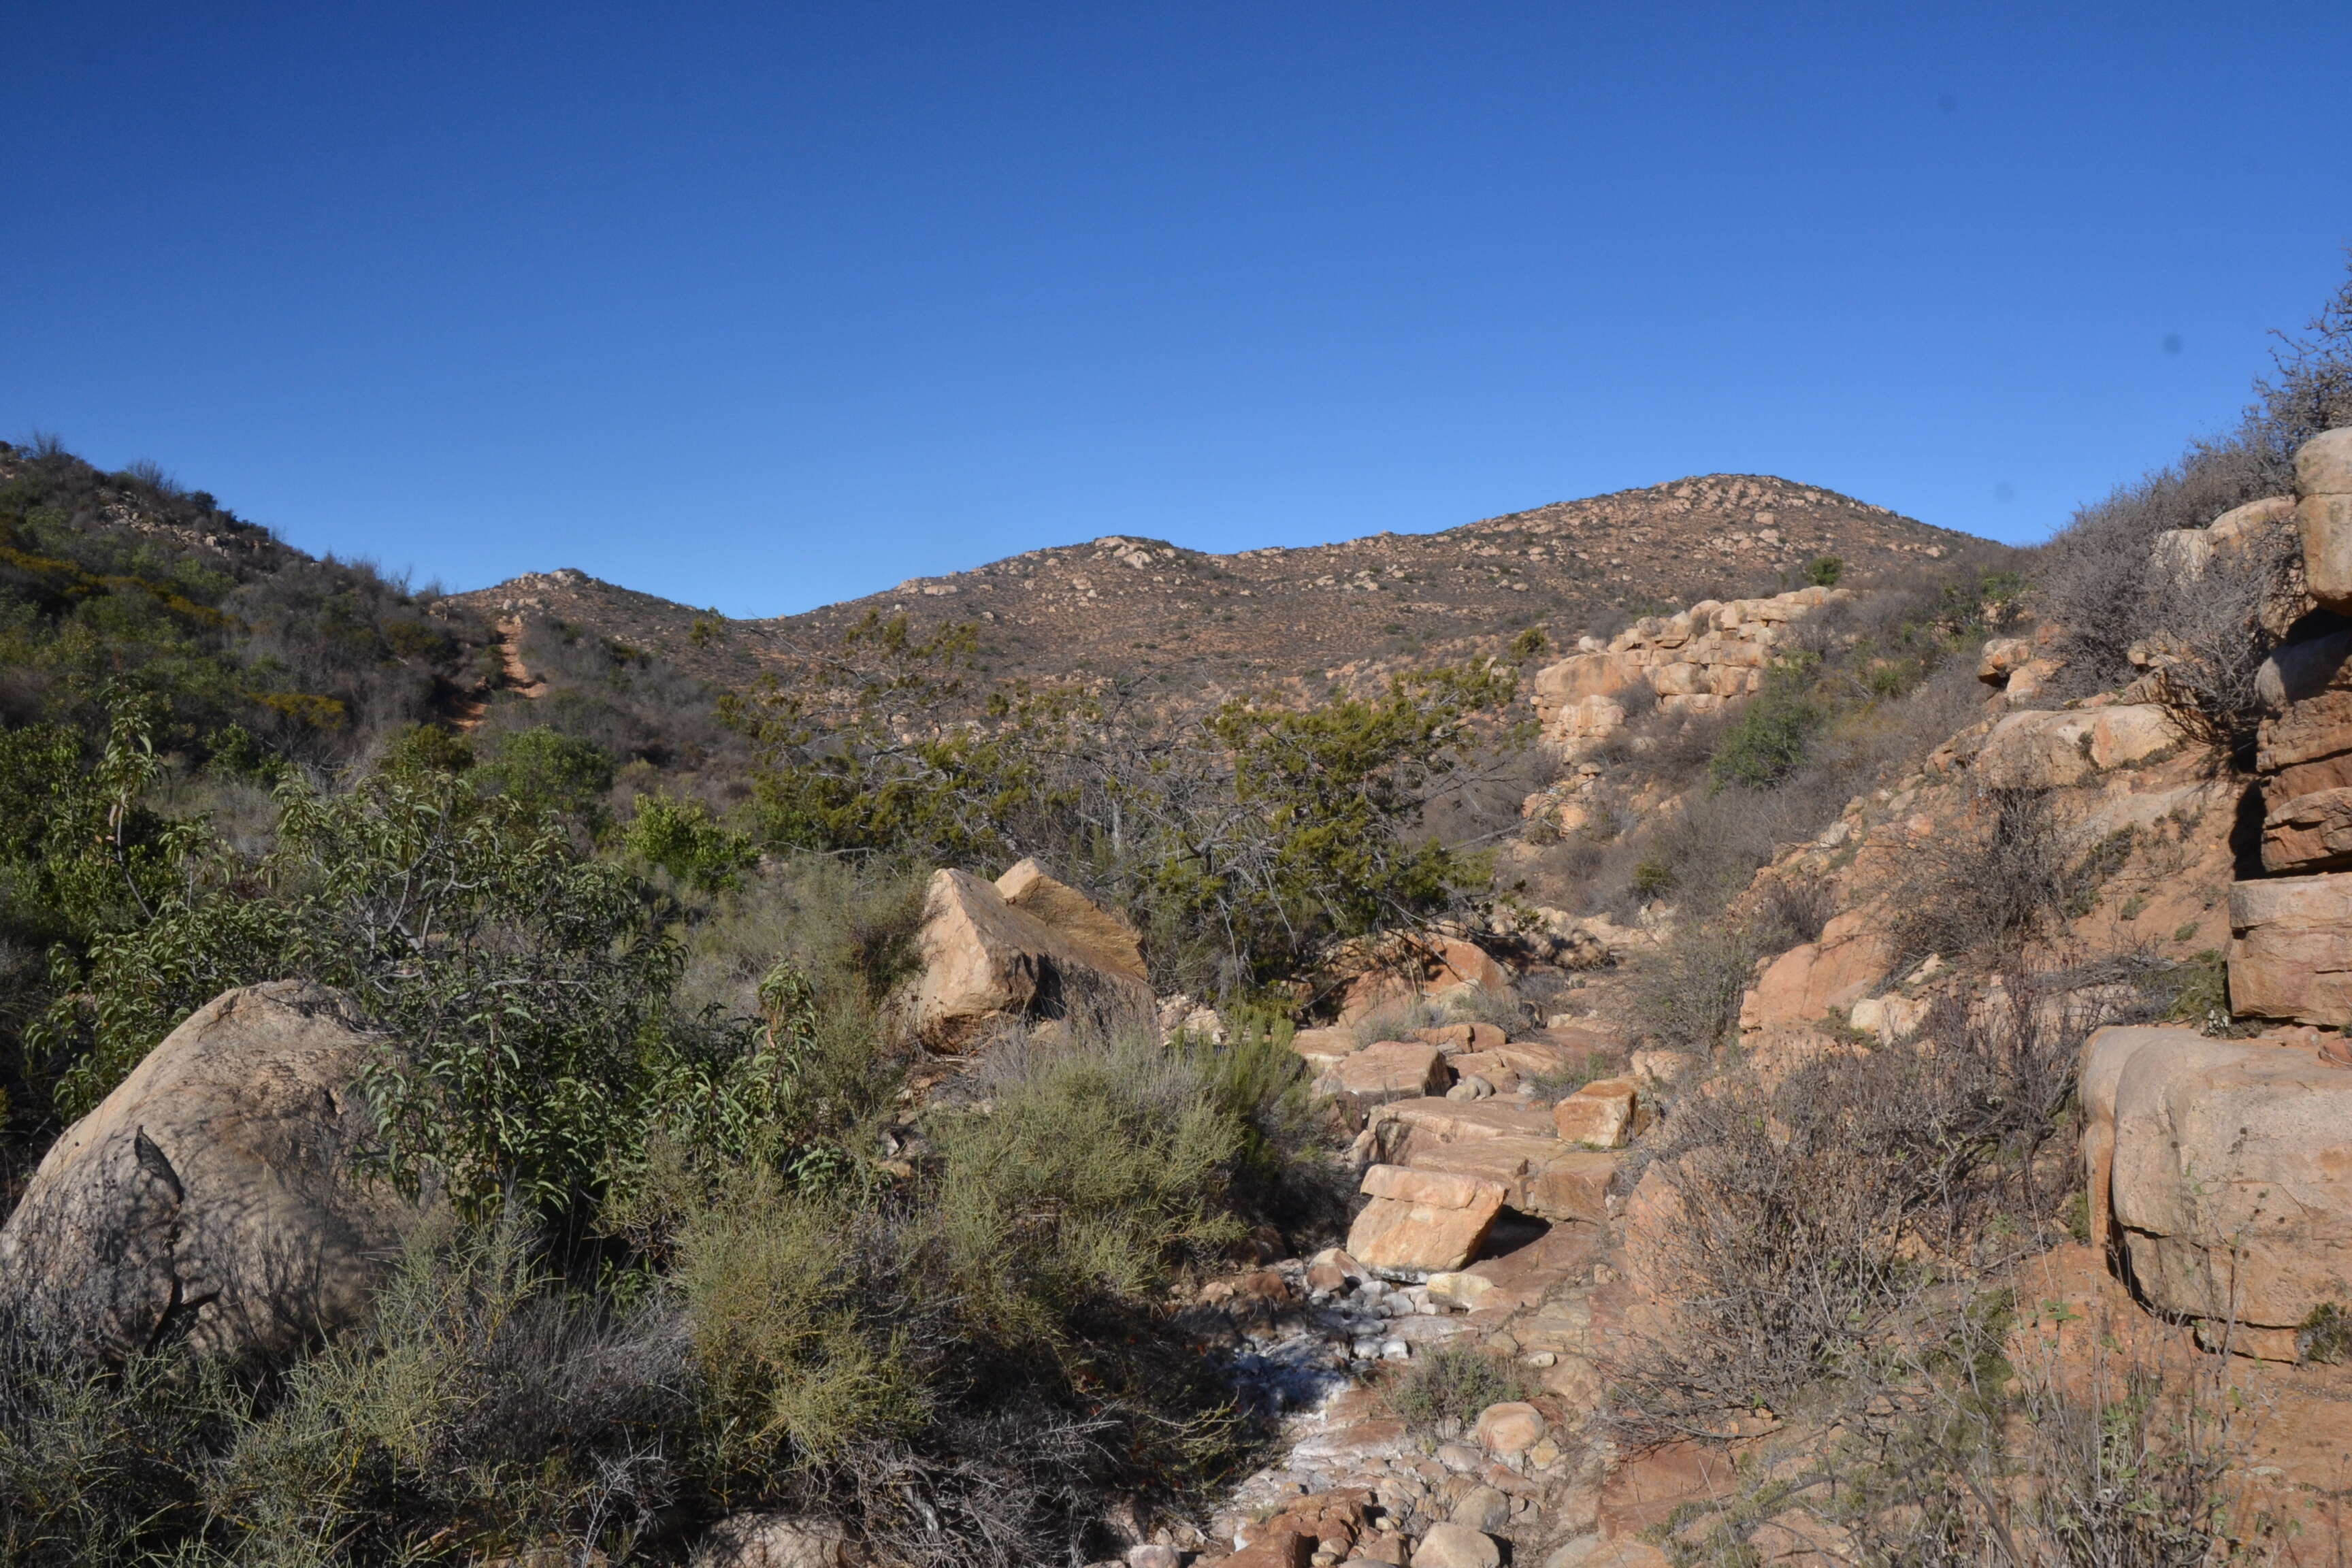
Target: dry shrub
(1814,1222)
(1992,883)
(2019,1464)
(1440,1395)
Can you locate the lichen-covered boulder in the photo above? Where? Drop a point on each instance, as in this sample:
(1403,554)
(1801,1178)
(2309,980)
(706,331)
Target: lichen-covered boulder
(216,1195)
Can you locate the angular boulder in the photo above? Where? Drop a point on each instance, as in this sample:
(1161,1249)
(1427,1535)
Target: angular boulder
(1387,1070)
(2222,1169)
(985,958)
(1426,1221)
(214,1195)
(2290,948)
(1601,1115)
(1539,1176)
(1324,1048)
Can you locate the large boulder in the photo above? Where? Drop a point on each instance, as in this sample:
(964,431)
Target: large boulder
(2290,948)
(215,1195)
(2223,1170)
(1023,946)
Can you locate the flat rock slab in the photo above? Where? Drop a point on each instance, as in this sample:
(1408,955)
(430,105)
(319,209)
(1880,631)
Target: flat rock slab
(1423,1220)
(1387,1070)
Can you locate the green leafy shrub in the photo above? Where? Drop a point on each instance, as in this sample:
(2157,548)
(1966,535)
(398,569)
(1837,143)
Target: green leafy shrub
(544,771)
(683,838)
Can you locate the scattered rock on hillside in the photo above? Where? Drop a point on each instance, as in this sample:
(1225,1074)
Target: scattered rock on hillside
(1052,953)
(213,1195)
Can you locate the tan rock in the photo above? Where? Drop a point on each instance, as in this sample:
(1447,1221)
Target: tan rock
(2252,520)
(1804,984)
(1509,1428)
(1456,1546)
(2290,948)
(2002,658)
(1423,1220)
(1490,1066)
(2308,833)
(2038,749)
(1387,1070)
(1324,1048)
(1601,1115)
(216,1191)
(1331,1269)
(1453,1037)
(1595,1551)
(771,1541)
(2224,1167)
(1407,1128)
(2130,733)
(2323,479)
(1663,1068)
(983,959)
(1467,963)
(1464,1290)
(1540,1176)
(1106,938)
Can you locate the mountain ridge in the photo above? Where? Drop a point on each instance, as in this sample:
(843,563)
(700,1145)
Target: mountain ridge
(1211,622)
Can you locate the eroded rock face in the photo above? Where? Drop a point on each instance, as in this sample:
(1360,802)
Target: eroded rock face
(2045,749)
(2323,479)
(1043,948)
(214,1194)
(2290,948)
(2224,1170)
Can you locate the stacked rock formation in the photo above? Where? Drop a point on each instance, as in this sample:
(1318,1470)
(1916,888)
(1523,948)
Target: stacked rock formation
(1694,662)
(1457,1128)
(2291,954)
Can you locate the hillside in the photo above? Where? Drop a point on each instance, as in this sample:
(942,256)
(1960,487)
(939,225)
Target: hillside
(1209,623)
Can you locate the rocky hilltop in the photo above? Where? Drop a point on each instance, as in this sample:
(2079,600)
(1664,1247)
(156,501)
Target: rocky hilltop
(1144,607)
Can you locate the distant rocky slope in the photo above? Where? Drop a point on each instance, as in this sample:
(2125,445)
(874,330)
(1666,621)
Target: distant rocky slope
(1209,624)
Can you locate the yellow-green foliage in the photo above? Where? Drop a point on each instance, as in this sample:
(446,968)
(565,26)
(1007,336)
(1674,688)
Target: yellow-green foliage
(795,1362)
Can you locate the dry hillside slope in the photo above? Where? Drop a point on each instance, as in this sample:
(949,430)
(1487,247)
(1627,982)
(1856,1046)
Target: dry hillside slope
(1137,606)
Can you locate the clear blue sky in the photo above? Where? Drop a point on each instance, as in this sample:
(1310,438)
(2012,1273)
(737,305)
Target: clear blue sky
(764,305)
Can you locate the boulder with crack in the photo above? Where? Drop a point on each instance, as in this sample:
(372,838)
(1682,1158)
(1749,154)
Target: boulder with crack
(216,1195)
(1022,946)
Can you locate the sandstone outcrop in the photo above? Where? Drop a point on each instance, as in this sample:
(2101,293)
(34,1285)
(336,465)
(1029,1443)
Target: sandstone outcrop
(1694,662)
(2223,1168)
(2042,749)
(2322,514)
(1023,946)
(2290,948)
(214,1194)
